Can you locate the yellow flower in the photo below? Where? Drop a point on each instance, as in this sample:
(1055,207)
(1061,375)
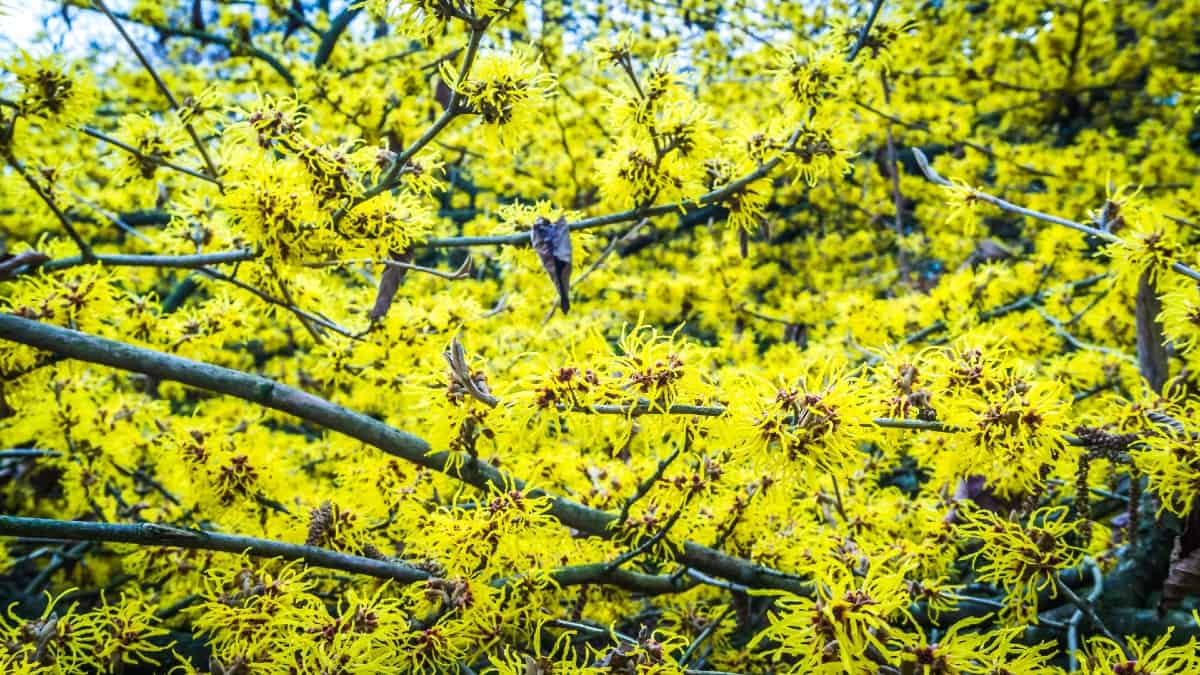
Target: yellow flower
(51,92)
(1023,558)
(848,617)
(808,78)
(1102,656)
(502,87)
(153,139)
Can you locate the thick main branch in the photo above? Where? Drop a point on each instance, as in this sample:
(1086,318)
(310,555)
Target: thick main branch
(152,534)
(271,394)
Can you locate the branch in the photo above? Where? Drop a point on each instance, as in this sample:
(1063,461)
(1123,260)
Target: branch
(647,484)
(596,631)
(599,573)
(85,251)
(704,635)
(336,28)
(647,408)
(167,261)
(98,135)
(709,581)
(236,48)
(152,534)
(1024,302)
(933,176)
(893,171)
(715,196)
(1080,344)
(113,218)
(915,425)
(463,272)
(306,318)
(1086,608)
(866,29)
(649,543)
(162,86)
(388,180)
(921,126)
(271,394)
(27,453)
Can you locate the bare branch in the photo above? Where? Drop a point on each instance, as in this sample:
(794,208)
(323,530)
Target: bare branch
(336,27)
(85,251)
(166,261)
(152,534)
(933,176)
(866,29)
(162,86)
(268,393)
(388,180)
(101,136)
(712,197)
(463,272)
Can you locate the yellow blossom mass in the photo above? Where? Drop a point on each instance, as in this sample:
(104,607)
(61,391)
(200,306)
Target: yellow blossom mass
(600,338)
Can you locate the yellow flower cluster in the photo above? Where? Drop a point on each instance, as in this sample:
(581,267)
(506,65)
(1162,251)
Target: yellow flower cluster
(285,386)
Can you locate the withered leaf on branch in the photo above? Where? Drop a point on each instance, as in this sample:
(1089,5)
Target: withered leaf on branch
(974,488)
(552,241)
(463,379)
(11,263)
(442,94)
(986,251)
(1151,349)
(1183,577)
(389,283)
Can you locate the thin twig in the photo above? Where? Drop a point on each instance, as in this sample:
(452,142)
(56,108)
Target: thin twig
(59,559)
(650,541)
(649,483)
(894,174)
(983,149)
(837,495)
(1087,609)
(113,218)
(718,583)
(303,316)
(1061,330)
(862,34)
(592,630)
(712,197)
(85,251)
(453,109)
(153,534)
(463,271)
(101,136)
(933,176)
(162,86)
(703,636)
(236,47)
(278,396)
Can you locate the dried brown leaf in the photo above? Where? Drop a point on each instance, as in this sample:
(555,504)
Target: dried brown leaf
(552,242)
(1151,349)
(9,264)
(1183,576)
(389,284)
